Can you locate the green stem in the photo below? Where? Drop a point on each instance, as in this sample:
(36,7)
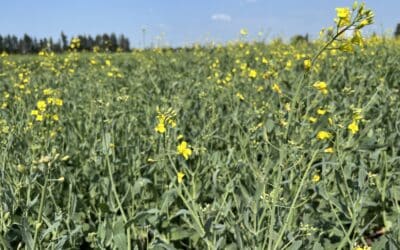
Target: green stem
(114,190)
(39,220)
(347,236)
(292,207)
(299,86)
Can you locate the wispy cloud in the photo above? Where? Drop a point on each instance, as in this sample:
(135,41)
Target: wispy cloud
(221,17)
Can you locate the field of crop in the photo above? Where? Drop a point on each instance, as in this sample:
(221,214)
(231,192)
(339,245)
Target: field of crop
(243,146)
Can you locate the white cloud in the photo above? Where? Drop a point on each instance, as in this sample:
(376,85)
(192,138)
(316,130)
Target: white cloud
(221,17)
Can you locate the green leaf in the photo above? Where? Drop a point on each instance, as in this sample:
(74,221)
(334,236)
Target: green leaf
(295,245)
(179,233)
(269,125)
(380,244)
(317,246)
(119,235)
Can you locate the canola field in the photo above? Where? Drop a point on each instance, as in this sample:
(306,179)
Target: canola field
(242,146)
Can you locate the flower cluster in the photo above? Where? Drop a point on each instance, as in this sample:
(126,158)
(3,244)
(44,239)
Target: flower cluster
(184,150)
(165,119)
(46,109)
(355,19)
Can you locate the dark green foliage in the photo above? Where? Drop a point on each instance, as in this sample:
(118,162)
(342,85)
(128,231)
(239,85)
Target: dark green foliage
(29,45)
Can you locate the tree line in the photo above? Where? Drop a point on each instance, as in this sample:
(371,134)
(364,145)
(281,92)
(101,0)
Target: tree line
(28,44)
(397,31)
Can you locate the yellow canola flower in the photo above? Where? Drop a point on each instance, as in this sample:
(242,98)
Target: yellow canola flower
(321,111)
(329,150)
(160,128)
(172,123)
(264,60)
(288,65)
(321,86)
(58,102)
(180,176)
(343,16)
(357,38)
(324,135)
(312,119)
(48,91)
(353,127)
(364,23)
(253,73)
(55,101)
(316,178)
(184,150)
(35,112)
(276,88)
(39,118)
(240,96)
(307,64)
(347,47)
(362,248)
(41,105)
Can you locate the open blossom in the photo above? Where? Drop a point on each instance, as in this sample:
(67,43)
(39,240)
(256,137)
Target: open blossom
(321,111)
(343,16)
(353,127)
(165,119)
(160,128)
(307,64)
(324,135)
(316,178)
(253,73)
(180,176)
(41,105)
(321,86)
(184,150)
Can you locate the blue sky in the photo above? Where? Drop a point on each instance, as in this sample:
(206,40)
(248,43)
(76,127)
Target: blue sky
(179,22)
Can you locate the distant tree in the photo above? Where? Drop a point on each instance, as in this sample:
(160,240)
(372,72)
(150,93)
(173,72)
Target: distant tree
(50,44)
(123,43)
(90,43)
(57,47)
(1,44)
(113,42)
(397,32)
(83,43)
(27,44)
(299,39)
(14,44)
(64,41)
(35,46)
(43,43)
(27,41)
(99,41)
(106,42)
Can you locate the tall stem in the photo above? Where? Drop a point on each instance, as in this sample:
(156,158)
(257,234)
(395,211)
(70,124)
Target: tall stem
(39,220)
(291,209)
(114,190)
